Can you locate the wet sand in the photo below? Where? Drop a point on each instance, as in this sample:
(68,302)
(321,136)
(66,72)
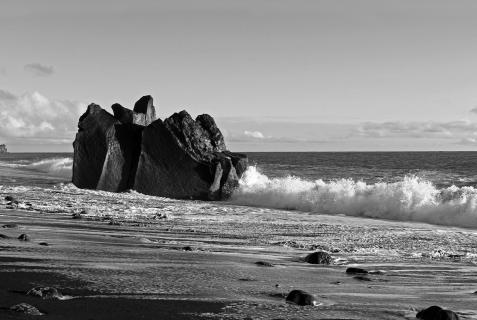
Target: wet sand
(142,270)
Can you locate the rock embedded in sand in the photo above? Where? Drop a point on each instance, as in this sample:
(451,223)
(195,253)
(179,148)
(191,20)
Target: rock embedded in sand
(353,270)
(436,313)
(4,236)
(264,264)
(26,308)
(45,293)
(301,298)
(11,199)
(24,237)
(44,244)
(319,257)
(178,158)
(76,215)
(10,226)
(362,278)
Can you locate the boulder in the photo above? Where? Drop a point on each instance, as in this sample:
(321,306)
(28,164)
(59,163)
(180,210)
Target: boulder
(436,313)
(45,293)
(301,298)
(177,158)
(353,270)
(27,309)
(318,257)
(24,237)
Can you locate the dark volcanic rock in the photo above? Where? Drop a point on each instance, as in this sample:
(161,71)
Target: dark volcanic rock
(27,309)
(24,237)
(301,298)
(4,236)
(353,270)
(76,215)
(10,199)
(436,313)
(178,158)
(319,257)
(45,293)
(145,110)
(264,264)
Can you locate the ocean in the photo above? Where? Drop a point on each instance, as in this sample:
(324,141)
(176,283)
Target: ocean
(433,187)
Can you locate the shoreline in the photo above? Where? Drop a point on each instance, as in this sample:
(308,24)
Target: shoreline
(218,278)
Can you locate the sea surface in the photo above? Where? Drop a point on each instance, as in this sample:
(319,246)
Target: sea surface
(434,187)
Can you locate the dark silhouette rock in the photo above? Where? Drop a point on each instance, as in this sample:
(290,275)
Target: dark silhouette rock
(45,293)
(11,199)
(4,236)
(319,257)
(10,226)
(76,215)
(362,278)
(301,298)
(145,110)
(27,309)
(264,264)
(44,244)
(436,313)
(353,270)
(178,158)
(3,148)
(24,237)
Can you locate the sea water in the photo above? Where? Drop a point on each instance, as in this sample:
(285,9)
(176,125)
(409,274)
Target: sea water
(433,187)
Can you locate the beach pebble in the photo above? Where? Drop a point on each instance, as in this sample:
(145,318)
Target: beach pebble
(24,237)
(44,244)
(10,226)
(45,293)
(4,236)
(11,199)
(319,257)
(436,313)
(26,309)
(187,248)
(264,264)
(77,215)
(301,298)
(353,270)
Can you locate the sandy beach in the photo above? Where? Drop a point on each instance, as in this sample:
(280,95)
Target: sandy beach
(198,262)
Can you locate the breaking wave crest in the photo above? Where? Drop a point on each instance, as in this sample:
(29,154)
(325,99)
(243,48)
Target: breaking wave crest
(61,167)
(411,199)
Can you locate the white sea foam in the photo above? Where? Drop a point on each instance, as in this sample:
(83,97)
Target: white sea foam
(61,167)
(411,199)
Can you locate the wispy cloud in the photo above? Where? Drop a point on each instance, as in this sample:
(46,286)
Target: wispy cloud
(34,117)
(254,134)
(39,70)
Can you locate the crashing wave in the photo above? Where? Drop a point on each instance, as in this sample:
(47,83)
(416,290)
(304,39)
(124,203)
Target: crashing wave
(411,199)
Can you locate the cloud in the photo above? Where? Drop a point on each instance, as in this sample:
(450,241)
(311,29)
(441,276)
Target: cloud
(254,134)
(39,70)
(33,117)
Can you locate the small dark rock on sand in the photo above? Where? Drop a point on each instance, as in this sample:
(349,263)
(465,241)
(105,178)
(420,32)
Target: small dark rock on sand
(45,293)
(4,236)
(25,308)
(319,257)
(44,244)
(10,226)
(301,298)
(353,270)
(76,215)
(264,264)
(24,237)
(187,248)
(11,199)
(436,313)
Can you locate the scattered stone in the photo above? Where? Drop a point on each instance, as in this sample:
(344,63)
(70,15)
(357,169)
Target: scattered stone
(25,308)
(4,236)
(45,293)
(436,313)
(187,248)
(77,215)
(10,226)
(277,285)
(362,278)
(11,199)
(301,298)
(44,244)
(353,270)
(24,237)
(319,257)
(264,264)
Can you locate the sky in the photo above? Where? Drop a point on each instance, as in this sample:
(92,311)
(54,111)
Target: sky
(295,75)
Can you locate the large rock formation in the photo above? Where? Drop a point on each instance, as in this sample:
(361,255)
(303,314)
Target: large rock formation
(3,148)
(178,158)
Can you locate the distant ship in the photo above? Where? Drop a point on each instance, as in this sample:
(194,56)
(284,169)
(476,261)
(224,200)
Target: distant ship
(3,148)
